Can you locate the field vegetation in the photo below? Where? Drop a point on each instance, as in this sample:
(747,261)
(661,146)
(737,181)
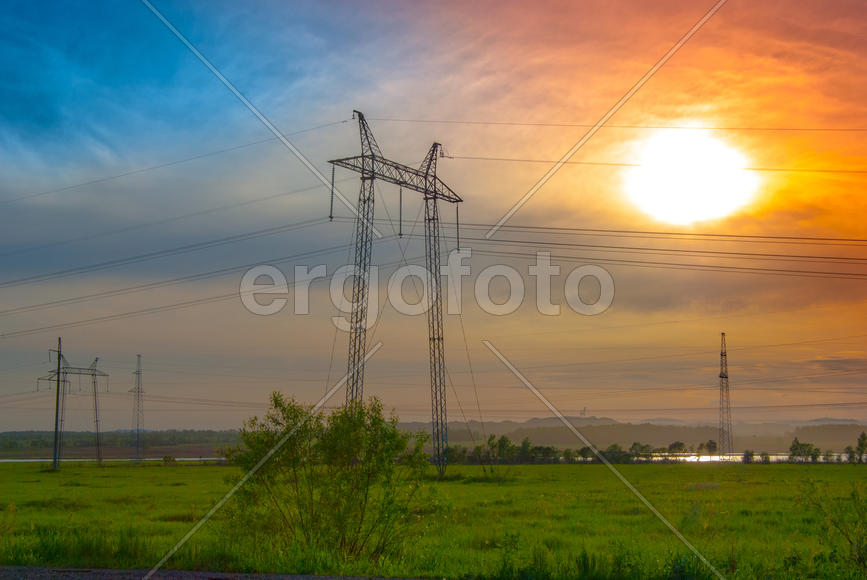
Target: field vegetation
(350,493)
(521,521)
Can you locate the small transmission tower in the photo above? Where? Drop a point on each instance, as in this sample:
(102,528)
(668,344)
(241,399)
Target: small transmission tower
(372,166)
(138,408)
(59,377)
(725,403)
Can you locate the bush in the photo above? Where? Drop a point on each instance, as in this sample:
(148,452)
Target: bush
(343,486)
(749,456)
(7,520)
(843,517)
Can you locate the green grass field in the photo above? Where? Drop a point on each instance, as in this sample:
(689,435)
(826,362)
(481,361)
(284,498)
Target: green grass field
(529,521)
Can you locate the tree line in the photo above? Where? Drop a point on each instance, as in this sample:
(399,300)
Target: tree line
(808,453)
(77,439)
(501,450)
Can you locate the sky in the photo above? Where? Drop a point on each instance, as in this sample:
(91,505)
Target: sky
(116,142)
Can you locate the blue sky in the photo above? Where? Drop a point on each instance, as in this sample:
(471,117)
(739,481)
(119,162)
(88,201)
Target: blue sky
(92,89)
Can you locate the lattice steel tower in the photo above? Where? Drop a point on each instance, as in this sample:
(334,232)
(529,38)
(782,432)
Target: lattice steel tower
(372,166)
(138,408)
(59,377)
(725,403)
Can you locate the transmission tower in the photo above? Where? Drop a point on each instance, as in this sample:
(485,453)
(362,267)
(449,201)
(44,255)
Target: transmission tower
(59,393)
(725,403)
(96,409)
(372,165)
(138,408)
(59,378)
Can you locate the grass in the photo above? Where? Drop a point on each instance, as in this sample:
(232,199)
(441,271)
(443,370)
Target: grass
(543,521)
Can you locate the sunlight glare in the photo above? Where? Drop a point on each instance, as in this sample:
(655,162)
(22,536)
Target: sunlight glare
(687,176)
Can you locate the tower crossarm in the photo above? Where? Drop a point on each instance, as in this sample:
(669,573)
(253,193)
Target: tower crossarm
(398,174)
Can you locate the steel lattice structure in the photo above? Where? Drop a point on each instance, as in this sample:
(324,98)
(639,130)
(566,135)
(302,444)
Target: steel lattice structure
(138,408)
(372,165)
(59,377)
(725,404)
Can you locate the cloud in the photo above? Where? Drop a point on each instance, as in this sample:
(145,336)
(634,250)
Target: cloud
(105,89)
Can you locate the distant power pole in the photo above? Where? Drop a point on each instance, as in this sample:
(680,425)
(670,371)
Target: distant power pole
(60,377)
(725,403)
(138,409)
(96,411)
(57,409)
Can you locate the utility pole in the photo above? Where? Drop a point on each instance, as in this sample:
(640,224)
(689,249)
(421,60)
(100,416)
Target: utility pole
(56,462)
(725,404)
(435,313)
(60,377)
(372,165)
(138,408)
(96,413)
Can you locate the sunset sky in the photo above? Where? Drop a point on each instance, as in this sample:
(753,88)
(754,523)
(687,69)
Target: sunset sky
(116,141)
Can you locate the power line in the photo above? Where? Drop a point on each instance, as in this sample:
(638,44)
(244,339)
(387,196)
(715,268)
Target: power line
(678,251)
(743,384)
(846,404)
(249,404)
(621,164)
(169,282)
(163,253)
(144,225)
(130,314)
(739,238)
(621,126)
(679,354)
(619,361)
(691,267)
(163,165)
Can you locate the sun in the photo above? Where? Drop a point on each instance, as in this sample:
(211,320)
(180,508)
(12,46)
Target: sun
(687,176)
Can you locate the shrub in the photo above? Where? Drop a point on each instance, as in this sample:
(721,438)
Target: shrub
(844,517)
(7,520)
(343,485)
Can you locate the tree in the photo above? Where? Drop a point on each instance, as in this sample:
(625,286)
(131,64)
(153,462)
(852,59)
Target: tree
(615,454)
(586,453)
(456,454)
(492,447)
(801,452)
(828,456)
(344,484)
(749,456)
(861,448)
(851,456)
(505,449)
(711,446)
(525,452)
(677,447)
(640,451)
